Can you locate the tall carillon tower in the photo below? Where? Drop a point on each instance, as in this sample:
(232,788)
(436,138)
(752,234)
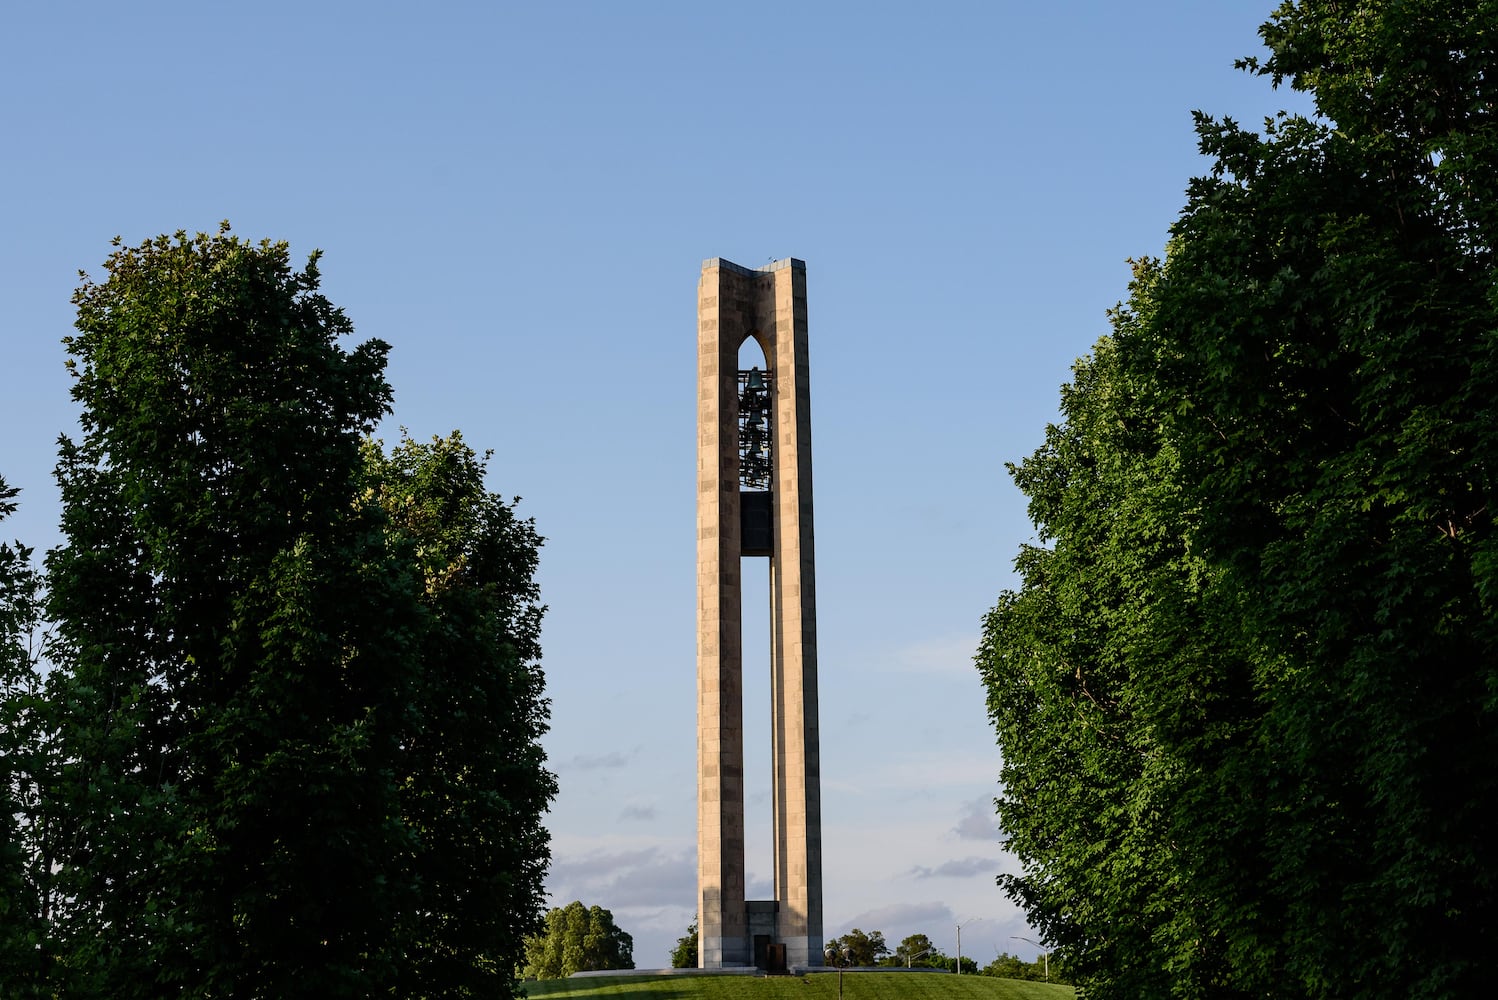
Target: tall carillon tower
(754,503)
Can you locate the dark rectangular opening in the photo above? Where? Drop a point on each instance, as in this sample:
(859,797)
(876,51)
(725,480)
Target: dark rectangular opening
(756,524)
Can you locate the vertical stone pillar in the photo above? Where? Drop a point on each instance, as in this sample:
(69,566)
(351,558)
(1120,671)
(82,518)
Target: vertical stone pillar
(722,920)
(736,303)
(797,777)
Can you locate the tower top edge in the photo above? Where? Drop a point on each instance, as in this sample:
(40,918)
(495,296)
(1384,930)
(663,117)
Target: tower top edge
(774,265)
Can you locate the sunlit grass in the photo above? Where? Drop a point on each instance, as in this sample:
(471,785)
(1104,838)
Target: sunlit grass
(818,986)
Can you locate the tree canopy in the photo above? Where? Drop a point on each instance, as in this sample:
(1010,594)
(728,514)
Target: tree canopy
(686,954)
(860,949)
(578,938)
(474,785)
(914,950)
(1246,690)
(23,761)
(295,698)
(1045,968)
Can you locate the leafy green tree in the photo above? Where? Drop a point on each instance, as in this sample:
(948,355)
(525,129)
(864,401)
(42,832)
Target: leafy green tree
(1047,968)
(685,954)
(1243,692)
(475,784)
(913,951)
(1108,607)
(577,938)
(24,756)
(860,949)
(272,656)
(1342,276)
(940,960)
(1007,966)
(231,674)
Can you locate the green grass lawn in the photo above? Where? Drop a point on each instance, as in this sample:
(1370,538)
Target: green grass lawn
(818,986)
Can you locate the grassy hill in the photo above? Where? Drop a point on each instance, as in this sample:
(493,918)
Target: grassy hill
(819,986)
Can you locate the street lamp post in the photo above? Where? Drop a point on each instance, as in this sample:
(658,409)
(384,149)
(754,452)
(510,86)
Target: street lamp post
(970,920)
(1045,956)
(838,957)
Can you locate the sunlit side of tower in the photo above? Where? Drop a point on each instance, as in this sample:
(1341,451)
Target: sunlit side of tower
(754,501)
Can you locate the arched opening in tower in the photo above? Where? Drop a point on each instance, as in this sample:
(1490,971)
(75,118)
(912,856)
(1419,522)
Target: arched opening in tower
(756,396)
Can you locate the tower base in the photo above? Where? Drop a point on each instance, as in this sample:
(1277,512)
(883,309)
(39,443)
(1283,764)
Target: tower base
(763,947)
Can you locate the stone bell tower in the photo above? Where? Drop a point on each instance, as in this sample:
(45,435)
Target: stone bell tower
(754,502)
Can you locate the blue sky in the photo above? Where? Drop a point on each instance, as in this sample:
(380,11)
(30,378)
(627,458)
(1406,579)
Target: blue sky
(518,197)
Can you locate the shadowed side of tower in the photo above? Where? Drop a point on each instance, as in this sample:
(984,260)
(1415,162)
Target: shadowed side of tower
(754,472)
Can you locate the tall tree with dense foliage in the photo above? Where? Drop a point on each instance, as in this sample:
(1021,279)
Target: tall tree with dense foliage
(250,611)
(1247,693)
(24,753)
(858,948)
(912,951)
(578,938)
(476,785)
(686,955)
(1108,613)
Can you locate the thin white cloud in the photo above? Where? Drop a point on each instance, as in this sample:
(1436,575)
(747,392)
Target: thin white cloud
(638,813)
(757,886)
(655,931)
(595,762)
(978,823)
(600,865)
(949,655)
(663,880)
(900,915)
(917,768)
(958,868)
(642,877)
